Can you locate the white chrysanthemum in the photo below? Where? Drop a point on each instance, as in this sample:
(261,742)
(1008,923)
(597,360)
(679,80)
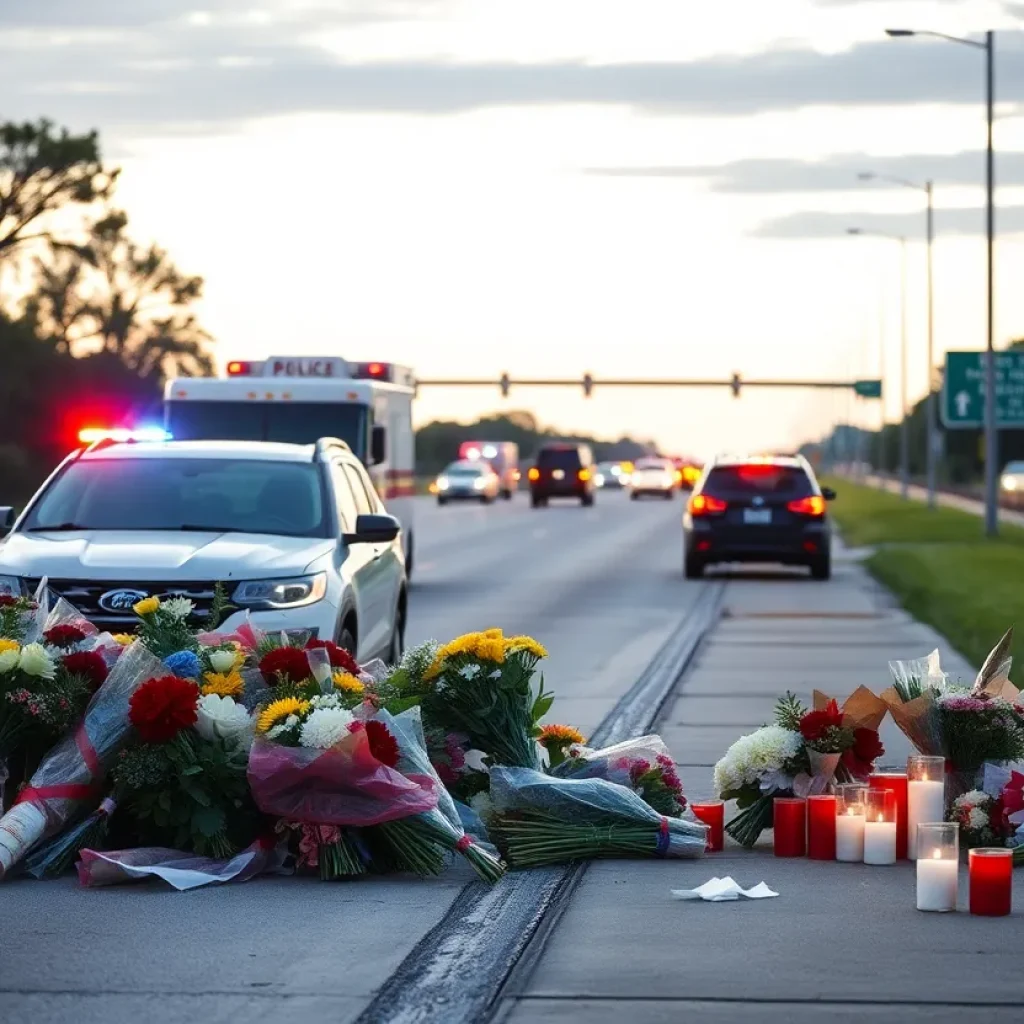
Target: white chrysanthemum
(35,661)
(972,799)
(178,608)
(470,671)
(496,674)
(325,700)
(481,803)
(9,660)
(325,726)
(755,755)
(978,818)
(276,731)
(223,661)
(291,721)
(222,718)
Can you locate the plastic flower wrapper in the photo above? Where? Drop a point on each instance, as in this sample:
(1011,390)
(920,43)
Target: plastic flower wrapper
(179,869)
(911,701)
(539,819)
(24,618)
(67,782)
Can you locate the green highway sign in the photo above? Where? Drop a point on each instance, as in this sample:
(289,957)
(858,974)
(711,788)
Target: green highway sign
(963,390)
(868,388)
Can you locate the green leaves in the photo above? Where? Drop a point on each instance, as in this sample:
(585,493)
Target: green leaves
(788,712)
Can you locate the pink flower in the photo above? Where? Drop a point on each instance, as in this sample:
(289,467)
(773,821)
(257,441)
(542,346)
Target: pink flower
(964,703)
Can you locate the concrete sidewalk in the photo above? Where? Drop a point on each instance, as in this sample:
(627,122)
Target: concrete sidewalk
(843,940)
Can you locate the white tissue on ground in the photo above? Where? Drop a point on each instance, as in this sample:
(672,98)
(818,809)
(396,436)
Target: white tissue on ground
(721,890)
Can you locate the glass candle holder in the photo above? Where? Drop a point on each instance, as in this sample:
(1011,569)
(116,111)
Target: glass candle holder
(991,881)
(926,795)
(938,865)
(886,777)
(821,827)
(880,827)
(790,825)
(850,808)
(712,814)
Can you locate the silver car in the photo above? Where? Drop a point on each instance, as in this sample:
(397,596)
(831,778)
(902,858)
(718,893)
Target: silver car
(468,480)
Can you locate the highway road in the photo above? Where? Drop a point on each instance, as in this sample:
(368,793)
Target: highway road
(601,587)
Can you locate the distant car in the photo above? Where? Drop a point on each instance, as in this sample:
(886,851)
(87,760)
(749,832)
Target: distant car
(468,480)
(610,476)
(503,457)
(1011,484)
(758,510)
(562,471)
(653,478)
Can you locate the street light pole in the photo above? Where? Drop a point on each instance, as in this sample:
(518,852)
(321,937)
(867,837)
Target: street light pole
(931,433)
(904,423)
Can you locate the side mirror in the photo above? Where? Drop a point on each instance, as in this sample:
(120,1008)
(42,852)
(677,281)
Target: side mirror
(373,529)
(378,445)
(6,520)
(828,494)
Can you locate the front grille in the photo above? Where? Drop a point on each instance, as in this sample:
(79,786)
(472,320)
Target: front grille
(85,595)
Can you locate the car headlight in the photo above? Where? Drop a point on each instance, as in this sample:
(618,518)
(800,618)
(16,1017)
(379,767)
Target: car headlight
(442,483)
(290,593)
(1009,484)
(479,483)
(11,586)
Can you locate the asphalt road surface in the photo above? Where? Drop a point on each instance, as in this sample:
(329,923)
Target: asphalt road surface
(601,587)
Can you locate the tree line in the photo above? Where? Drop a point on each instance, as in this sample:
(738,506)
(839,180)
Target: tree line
(92,321)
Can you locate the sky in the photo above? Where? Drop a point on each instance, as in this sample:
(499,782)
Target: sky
(554,187)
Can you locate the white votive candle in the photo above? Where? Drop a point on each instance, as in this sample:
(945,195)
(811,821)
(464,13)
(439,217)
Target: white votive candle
(936,881)
(850,837)
(926,802)
(879,842)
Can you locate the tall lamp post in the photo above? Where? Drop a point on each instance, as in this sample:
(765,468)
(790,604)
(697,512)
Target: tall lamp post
(904,425)
(991,429)
(930,409)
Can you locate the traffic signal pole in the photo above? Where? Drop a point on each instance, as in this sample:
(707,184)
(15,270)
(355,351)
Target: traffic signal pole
(864,388)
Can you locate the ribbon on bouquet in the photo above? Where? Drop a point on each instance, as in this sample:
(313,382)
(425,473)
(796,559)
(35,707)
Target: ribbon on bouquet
(70,791)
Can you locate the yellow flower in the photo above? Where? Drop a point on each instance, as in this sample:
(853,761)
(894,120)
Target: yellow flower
(526,643)
(124,639)
(223,684)
(146,606)
(560,735)
(347,683)
(9,645)
(435,669)
(280,710)
(492,634)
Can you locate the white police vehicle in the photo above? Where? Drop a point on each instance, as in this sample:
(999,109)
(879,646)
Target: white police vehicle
(295,533)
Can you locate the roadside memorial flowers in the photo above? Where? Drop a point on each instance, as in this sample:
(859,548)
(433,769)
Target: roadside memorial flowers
(803,753)
(19,617)
(537,819)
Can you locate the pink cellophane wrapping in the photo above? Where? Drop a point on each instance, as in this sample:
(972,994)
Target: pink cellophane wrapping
(177,868)
(103,731)
(345,785)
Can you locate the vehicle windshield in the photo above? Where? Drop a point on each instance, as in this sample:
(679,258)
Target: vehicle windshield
(757,478)
(1015,468)
(462,470)
(558,458)
(651,464)
(286,422)
(218,495)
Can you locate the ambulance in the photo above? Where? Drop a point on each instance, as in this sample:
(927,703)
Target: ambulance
(299,399)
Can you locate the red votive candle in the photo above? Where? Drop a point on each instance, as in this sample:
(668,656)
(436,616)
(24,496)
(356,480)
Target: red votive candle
(790,827)
(991,874)
(895,782)
(821,827)
(712,813)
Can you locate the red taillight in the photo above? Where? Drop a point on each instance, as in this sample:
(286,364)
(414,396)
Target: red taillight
(705,505)
(584,475)
(812,506)
(534,473)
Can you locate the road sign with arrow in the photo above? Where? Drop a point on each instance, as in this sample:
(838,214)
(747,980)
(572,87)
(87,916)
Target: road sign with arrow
(963,390)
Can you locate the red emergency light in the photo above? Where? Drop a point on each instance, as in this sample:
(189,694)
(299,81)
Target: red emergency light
(239,368)
(375,371)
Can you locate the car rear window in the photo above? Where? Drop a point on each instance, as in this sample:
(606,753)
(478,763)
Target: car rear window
(558,458)
(757,479)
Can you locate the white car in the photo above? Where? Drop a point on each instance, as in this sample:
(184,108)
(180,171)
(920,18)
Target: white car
(468,480)
(1011,483)
(656,477)
(295,533)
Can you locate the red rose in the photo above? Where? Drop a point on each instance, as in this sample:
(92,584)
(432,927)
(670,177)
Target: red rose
(284,663)
(161,708)
(383,745)
(866,749)
(64,636)
(340,658)
(815,724)
(89,665)
(7,601)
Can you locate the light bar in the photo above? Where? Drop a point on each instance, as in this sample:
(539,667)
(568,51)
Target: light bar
(238,368)
(122,435)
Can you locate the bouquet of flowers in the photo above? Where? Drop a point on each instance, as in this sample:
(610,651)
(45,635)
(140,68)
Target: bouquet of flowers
(982,819)
(481,684)
(538,819)
(643,765)
(67,780)
(802,753)
(23,618)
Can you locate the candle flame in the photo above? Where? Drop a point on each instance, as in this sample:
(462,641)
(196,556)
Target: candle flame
(936,855)
(881,818)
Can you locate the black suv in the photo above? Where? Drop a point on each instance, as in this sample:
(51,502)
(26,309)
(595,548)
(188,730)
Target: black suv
(562,471)
(758,510)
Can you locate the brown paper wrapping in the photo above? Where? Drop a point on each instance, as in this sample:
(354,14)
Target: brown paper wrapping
(918,720)
(861,710)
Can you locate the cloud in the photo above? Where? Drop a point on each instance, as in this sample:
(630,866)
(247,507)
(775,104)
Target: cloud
(961,221)
(179,75)
(837,173)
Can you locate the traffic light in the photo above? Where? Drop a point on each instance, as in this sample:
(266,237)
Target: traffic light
(735,385)
(588,385)
(505,385)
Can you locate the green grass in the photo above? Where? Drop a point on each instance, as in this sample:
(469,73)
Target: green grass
(939,566)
